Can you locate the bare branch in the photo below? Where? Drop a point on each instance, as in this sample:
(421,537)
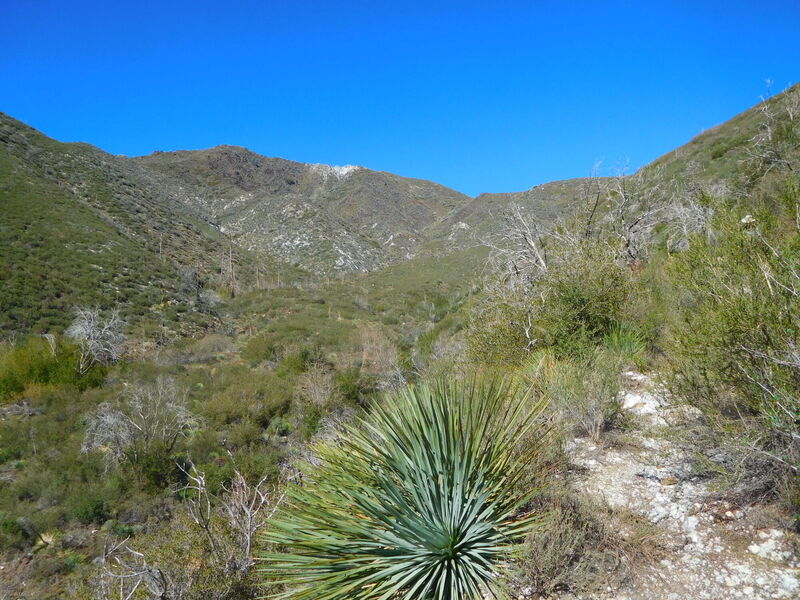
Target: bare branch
(145,415)
(100,339)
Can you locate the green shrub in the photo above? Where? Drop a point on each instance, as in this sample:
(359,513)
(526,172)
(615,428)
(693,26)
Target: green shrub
(12,533)
(155,467)
(204,446)
(419,501)
(582,300)
(734,351)
(573,305)
(259,349)
(627,344)
(73,560)
(35,361)
(353,385)
(297,361)
(244,435)
(496,331)
(121,530)
(90,509)
(581,391)
(255,397)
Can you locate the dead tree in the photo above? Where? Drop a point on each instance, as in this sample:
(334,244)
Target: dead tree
(144,416)
(229,522)
(101,340)
(127,574)
(637,205)
(316,386)
(244,510)
(519,250)
(776,145)
(690,217)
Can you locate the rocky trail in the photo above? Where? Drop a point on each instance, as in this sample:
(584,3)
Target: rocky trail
(711,549)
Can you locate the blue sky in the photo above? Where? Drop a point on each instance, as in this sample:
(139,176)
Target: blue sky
(480,96)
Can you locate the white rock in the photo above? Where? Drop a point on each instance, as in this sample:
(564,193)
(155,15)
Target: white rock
(789,582)
(334,171)
(690,523)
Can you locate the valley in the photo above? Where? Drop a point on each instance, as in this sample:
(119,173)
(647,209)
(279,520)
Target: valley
(187,338)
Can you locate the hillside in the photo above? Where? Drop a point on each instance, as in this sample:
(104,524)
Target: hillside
(80,226)
(719,160)
(78,230)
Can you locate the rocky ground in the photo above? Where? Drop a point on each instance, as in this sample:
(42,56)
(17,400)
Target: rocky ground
(711,549)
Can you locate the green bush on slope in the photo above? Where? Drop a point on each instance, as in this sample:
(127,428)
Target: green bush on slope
(734,352)
(575,304)
(581,391)
(36,361)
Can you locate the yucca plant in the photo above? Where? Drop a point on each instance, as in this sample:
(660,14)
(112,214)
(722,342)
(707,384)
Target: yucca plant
(419,500)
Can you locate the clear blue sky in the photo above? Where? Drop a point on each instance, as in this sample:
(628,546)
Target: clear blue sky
(479,96)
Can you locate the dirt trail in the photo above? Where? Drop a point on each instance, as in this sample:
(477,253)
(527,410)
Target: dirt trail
(714,551)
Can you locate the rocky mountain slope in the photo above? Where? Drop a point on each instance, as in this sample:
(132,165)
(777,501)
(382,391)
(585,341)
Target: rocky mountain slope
(321,217)
(80,226)
(355,219)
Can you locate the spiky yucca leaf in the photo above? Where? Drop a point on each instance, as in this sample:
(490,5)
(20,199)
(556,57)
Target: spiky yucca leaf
(418,500)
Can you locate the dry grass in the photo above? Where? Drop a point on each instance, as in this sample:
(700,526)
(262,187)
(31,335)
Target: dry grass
(583,546)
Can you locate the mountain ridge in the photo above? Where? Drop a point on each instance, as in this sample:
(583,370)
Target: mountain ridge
(353,220)
(232,216)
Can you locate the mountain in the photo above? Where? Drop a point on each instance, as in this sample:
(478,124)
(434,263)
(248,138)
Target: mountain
(82,226)
(321,217)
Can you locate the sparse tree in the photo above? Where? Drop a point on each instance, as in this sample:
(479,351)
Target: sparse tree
(209,298)
(243,508)
(526,248)
(519,252)
(637,206)
(219,527)
(776,145)
(315,386)
(100,339)
(362,301)
(687,218)
(143,418)
(190,283)
(127,574)
(228,268)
